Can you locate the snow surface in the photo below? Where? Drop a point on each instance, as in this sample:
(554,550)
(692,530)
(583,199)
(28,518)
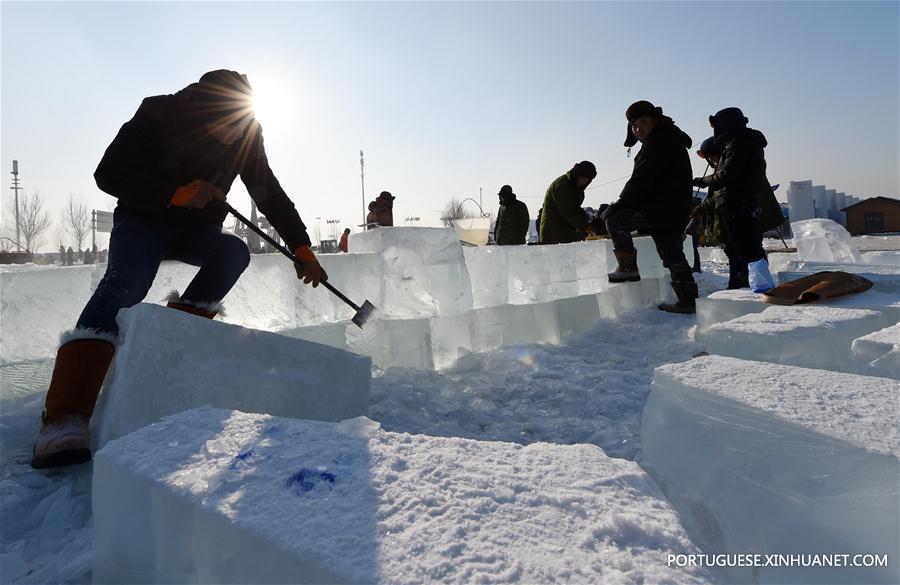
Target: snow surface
(764,458)
(371,506)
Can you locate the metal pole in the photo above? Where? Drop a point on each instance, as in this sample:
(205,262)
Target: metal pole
(362,179)
(15,188)
(94,228)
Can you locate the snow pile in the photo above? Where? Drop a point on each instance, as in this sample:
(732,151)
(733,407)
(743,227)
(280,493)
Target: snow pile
(168,361)
(824,240)
(773,459)
(243,498)
(878,353)
(799,335)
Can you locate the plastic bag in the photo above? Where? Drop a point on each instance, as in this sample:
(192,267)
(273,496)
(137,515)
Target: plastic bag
(759,276)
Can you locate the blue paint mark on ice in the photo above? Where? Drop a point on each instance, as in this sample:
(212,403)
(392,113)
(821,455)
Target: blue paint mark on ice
(307,480)
(241,460)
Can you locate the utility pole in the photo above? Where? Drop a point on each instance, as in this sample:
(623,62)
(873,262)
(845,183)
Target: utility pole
(362,178)
(479,197)
(15,188)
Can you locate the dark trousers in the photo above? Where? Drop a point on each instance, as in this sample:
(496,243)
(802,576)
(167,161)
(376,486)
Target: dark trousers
(138,245)
(620,224)
(695,240)
(741,234)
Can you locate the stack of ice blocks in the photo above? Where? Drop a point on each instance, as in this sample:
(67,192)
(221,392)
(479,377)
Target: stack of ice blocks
(878,353)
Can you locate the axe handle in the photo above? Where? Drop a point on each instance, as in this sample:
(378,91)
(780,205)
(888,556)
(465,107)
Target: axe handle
(286,252)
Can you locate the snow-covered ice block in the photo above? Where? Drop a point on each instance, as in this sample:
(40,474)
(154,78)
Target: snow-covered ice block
(423,270)
(168,361)
(878,353)
(823,240)
(798,335)
(773,459)
(36,306)
(213,496)
(488,272)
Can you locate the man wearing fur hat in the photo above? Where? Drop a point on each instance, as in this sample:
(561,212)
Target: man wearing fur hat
(738,183)
(512,223)
(656,198)
(562,218)
(170,167)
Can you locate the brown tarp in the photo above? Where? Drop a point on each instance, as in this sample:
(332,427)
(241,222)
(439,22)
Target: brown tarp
(818,286)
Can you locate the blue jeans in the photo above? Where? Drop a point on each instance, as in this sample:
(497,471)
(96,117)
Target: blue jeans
(137,246)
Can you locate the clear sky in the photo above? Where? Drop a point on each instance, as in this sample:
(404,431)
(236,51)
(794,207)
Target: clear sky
(446,98)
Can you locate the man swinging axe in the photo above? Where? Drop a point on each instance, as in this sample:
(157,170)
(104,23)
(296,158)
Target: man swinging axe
(170,167)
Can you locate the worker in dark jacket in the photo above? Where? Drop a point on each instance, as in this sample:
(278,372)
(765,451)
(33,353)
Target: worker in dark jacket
(170,167)
(511,227)
(656,198)
(563,218)
(738,184)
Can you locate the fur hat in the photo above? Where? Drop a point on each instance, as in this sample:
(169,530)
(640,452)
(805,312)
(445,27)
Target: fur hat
(708,147)
(726,122)
(584,169)
(635,111)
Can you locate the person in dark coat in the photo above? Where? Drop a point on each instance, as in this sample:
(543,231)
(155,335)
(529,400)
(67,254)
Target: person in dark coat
(737,185)
(170,167)
(70,256)
(656,198)
(563,218)
(62,255)
(342,245)
(511,227)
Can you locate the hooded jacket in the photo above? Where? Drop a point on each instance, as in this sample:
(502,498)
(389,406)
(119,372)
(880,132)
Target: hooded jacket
(660,184)
(512,222)
(740,178)
(562,215)
(165,145)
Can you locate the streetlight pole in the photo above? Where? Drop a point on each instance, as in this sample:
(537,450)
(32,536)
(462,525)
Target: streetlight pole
(15,188)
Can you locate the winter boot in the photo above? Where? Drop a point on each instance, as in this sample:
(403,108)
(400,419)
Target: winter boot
(627,270)
(687,296)
(208,310)
(78,374)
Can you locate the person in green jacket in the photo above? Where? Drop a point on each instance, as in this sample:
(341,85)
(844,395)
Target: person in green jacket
(562,217)
(512,219)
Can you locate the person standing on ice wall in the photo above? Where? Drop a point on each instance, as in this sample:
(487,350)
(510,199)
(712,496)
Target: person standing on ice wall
(738,182)
(657,198)
(511,227)
(170,167)
(562,217)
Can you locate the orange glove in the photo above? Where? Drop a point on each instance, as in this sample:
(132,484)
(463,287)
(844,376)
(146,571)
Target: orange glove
(196,194)
(312,271)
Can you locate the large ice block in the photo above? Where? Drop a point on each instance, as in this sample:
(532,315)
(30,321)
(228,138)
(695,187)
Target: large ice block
(823,240)
(529,277)
(772,459)
(423,271)
(878,353)
(799,335)
(725,305)
(213,496)
(168,361)
(883,258)
(489,275)
(591,265)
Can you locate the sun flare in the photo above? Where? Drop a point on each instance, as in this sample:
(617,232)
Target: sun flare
(271,102)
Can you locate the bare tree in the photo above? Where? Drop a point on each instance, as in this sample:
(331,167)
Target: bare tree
(454,210)
(61,235)
(76,219)
(33,220)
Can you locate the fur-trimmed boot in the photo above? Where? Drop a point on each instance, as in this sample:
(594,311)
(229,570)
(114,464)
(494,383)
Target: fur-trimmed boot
(626,270)
(208,310)
(81,364)
(687,299)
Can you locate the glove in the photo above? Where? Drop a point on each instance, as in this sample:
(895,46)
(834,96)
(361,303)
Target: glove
(312,271)
(196,194)
(699,182)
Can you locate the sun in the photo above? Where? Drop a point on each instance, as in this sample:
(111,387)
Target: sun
(271,102)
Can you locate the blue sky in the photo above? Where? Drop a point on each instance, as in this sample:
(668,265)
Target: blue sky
(447,98)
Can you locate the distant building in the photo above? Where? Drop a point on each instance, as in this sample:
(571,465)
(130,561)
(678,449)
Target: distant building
(873,215)
(801,201)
